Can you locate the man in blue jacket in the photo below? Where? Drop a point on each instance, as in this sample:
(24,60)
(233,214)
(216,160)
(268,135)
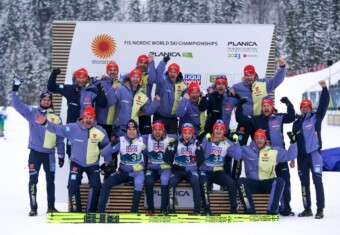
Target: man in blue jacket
(170,87)
(146,65)
(42,145)
(260,161)
(272,123)
(188,111)
(131,101)
(87,139)
(307,129)
(78,95)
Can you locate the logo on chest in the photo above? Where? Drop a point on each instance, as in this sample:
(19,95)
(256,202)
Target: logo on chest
(186,151)
(131,149)
(216,150)
(158,147)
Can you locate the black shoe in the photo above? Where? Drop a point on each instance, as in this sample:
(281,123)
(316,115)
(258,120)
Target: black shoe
(319,214)
(306,213)
(207,213)
(271,213)
(150,211)
(223,188)
(52,209)
(33,213)
(233,211)
(196,213)
(164,212)
(287,213)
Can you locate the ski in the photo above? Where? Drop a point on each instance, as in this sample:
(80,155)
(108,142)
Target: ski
(65,217)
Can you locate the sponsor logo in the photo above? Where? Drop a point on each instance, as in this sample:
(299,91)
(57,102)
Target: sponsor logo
(189,78)
(131,149)
(216,150)
(242,44)
(94,136)
(103,46)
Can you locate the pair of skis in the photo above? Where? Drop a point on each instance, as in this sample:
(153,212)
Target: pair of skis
(69,217)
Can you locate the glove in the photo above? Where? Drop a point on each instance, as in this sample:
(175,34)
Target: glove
(292,137)
(100,88)
(285,100)
(106,169)
(116,141)
(61,160)
(16,83)
(234,137)
(56,71)
(166,58)
(243,100)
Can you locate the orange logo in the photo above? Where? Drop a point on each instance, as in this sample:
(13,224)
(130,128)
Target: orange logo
(103,46)
(94,136)
(52,119)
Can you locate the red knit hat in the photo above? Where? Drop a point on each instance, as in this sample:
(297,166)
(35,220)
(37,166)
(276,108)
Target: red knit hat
(221,79)
(260,133)
(81,71)
(158,123)
(143,58)
(112,64)
(174,67)
(220,123)
(267,100)
(306,102)
(193,87)
(136,72)
(89,111)
(188,127)
(249,70)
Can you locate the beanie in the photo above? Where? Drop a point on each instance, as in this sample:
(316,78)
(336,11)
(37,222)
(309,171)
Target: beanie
(260,133)
(249,70)
(81,71)
(112,64)
(132,124)
(136,72)
(220,123)
(188,127)
(221,79)
(143,58)
(45,93)
(267,100)
(89,111)
(174,67)
(158,123)
(306,102)
(193,87)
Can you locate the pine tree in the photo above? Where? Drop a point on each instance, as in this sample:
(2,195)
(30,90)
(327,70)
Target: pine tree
(111,11)
(203,15)
(134,11)
(89,10)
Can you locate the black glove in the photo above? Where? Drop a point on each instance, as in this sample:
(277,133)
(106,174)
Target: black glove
(56,71)
(292,137)
(100,88)
(16,83)
(107,169)
(166,58)
(243,100)
(61,162)
(116,141)
(285,100)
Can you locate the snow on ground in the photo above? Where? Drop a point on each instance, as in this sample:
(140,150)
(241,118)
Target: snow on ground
(14,201)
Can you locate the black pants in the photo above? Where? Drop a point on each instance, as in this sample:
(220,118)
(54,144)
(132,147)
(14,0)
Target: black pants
(145,125)
(170,124)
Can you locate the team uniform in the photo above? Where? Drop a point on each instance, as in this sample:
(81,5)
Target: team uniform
(132,164)
(260,174)
(42,145)
(157,168)
(86,145)
(212,170)
(307,129)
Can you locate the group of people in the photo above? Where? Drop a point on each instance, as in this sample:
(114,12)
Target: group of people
(180,134)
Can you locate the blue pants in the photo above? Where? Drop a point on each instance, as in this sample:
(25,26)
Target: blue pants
(273,186)
(282,171)
(150,178)
(34,163)
(220,178)
(118,178)
(311,163)
(74,181)
(192,179)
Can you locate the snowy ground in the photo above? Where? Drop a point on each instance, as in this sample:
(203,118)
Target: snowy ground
(14,202)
